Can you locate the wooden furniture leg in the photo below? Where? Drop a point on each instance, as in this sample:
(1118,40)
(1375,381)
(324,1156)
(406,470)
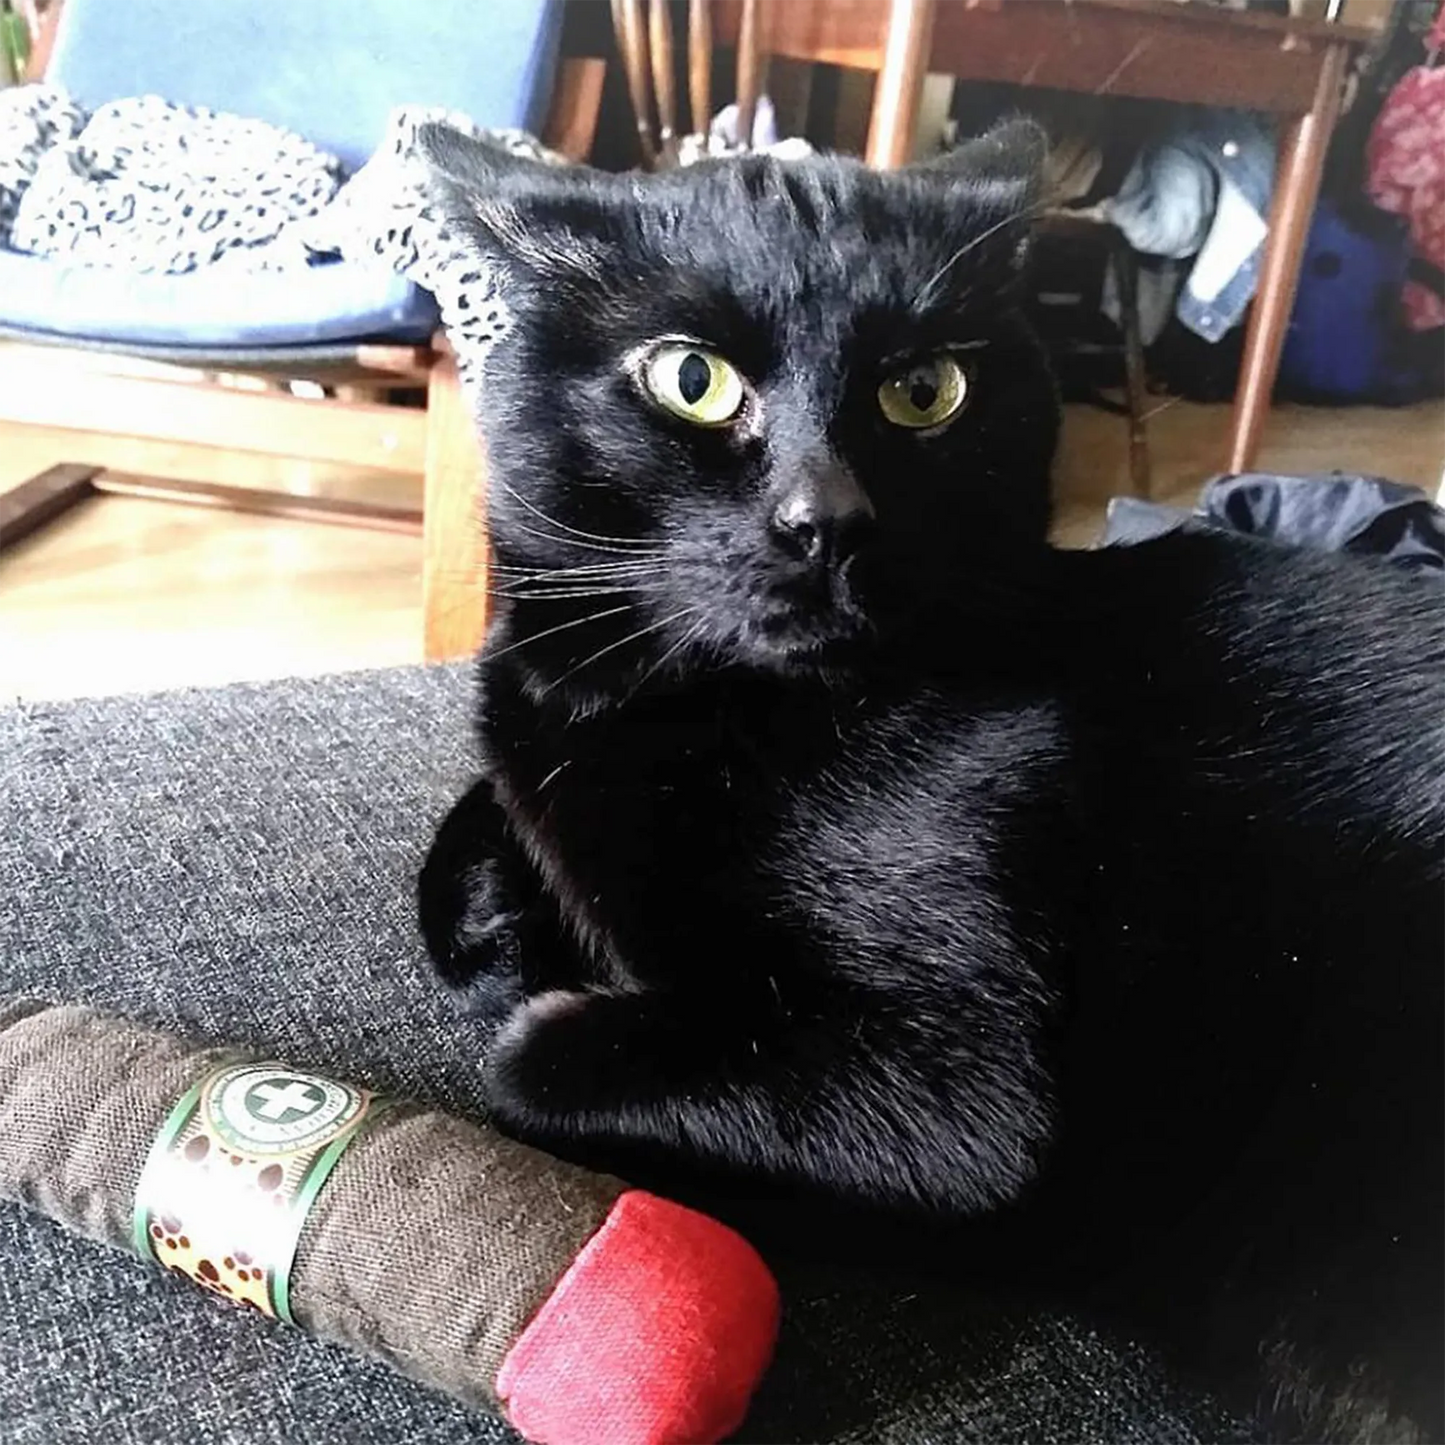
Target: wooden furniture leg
(1297,185)
(664,88)
(454,552)
(750,70)
(900,82)
(576,105)
(699,63)
(632,44)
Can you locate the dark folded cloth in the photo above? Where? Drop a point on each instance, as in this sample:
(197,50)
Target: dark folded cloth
(1330,511)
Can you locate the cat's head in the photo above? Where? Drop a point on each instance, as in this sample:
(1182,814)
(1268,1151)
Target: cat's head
(751,412)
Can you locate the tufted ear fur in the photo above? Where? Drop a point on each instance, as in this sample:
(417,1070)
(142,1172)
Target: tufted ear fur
(1006,162)
(545,221)
(1001,176)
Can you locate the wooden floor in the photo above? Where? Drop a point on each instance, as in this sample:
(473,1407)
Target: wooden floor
(122,595)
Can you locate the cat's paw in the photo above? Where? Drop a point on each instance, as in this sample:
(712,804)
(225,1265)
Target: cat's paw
(538,1068)
(471,929)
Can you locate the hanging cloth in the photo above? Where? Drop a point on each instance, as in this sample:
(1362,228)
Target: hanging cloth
(1405,160)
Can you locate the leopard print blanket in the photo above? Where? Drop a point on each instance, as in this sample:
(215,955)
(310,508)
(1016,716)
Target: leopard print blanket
(146,186)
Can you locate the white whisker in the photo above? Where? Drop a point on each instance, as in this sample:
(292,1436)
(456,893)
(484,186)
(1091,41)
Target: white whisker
(561,627)
(923,297)
(625,551)
(562,526)
(570,571)
(596,571)
(613,646)
(692,633)
(560,593)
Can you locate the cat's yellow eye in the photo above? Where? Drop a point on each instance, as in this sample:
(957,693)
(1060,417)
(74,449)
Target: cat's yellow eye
(925,393)
(694,383)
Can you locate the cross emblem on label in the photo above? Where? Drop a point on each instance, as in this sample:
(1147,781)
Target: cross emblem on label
(281,1103)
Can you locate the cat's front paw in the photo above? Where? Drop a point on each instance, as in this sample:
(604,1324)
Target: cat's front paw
(471,931)
(593,1076)
(537,1069)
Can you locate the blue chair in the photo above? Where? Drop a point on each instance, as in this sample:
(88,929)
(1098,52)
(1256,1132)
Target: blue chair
(330,70)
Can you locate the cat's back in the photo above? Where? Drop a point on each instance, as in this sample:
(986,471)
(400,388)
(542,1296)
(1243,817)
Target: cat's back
(1274,690)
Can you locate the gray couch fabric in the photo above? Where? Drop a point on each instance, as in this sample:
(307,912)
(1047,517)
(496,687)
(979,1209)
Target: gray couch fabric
(239,864)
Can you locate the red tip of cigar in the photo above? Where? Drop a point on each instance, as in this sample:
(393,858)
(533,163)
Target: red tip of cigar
(657,1334)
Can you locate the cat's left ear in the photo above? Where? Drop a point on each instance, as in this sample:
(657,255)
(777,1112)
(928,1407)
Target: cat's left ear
(1003,168)
(546,221)
(996,189)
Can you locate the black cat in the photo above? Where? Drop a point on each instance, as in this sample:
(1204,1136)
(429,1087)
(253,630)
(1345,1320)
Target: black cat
(836,834)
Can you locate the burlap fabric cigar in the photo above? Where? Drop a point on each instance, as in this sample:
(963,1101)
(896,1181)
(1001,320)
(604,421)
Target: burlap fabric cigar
(585,1311)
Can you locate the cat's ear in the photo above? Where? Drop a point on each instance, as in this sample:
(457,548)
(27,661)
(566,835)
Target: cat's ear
(1004,167)
(995,189)
(547,220)
(465,161)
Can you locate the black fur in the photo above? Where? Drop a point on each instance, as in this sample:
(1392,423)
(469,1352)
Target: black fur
(1093,898)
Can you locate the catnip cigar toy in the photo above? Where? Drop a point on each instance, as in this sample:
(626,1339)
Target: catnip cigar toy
(588,1313)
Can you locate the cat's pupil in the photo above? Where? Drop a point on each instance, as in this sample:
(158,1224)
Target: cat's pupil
(922,392)
(694,377)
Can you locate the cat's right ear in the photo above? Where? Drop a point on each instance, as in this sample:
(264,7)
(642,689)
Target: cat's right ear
(548,221)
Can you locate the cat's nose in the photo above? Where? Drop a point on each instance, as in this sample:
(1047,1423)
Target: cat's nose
(824,517)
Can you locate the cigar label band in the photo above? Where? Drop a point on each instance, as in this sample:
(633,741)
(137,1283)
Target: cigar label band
(233,1173)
